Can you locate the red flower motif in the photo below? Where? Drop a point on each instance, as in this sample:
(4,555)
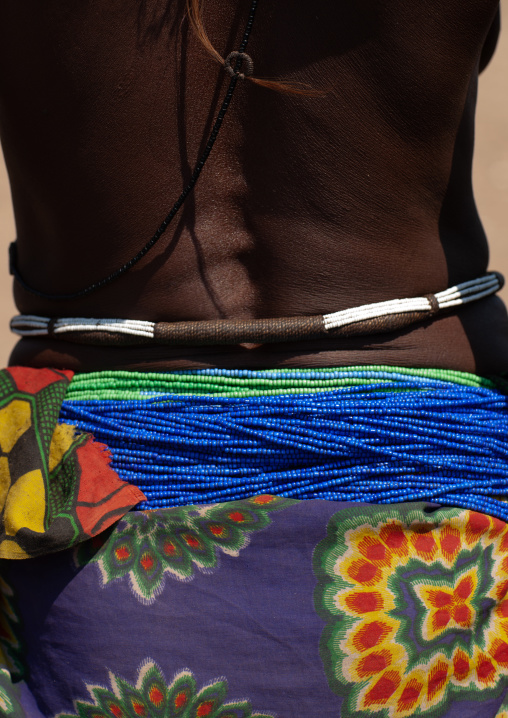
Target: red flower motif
(447,607)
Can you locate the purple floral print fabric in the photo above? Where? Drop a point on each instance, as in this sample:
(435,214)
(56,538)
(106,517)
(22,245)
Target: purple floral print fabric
(263,608)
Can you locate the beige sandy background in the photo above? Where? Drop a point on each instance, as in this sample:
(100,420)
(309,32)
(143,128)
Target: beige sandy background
(490,179)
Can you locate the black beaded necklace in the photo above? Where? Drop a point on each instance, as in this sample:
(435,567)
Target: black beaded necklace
(237,65)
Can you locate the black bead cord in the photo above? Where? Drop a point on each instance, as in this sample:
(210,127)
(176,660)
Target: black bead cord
(240,58)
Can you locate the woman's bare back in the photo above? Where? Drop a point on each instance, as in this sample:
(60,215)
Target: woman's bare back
(307,205)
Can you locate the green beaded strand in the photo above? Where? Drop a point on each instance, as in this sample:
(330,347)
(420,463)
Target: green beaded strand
(125,385)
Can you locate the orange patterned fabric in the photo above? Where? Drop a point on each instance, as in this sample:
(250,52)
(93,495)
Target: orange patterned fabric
(56,486)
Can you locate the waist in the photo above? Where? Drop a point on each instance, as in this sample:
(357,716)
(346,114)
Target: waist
(472,338)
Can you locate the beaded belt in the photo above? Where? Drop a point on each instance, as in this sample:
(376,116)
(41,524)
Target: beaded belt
(377,318)
(371,434)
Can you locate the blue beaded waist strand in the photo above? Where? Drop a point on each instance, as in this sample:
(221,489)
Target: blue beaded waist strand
(369,434)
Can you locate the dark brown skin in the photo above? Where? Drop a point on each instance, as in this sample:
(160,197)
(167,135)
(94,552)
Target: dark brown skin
(307,205)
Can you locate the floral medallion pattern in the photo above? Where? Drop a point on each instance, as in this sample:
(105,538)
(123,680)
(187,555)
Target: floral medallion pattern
(152,697)
(147,546)
(416,609)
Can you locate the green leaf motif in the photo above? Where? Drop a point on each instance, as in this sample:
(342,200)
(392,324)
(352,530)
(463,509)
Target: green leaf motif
(9,703)
(151,697)
(148,545)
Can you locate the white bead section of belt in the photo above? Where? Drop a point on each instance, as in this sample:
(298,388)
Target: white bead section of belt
(453,297)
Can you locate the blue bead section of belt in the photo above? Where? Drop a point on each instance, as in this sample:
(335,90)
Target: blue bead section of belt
(376,435)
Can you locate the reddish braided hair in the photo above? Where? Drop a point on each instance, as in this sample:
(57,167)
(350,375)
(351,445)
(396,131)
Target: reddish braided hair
(195,13)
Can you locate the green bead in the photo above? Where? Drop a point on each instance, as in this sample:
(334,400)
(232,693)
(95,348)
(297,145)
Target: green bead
(125,385)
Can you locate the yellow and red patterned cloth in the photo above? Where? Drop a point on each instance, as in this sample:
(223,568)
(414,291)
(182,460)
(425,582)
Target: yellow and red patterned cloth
(56,486)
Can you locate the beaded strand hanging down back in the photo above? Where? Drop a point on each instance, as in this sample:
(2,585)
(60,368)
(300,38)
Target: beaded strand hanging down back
(243,67)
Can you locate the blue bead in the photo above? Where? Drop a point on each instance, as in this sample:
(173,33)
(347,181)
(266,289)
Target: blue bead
(403,438)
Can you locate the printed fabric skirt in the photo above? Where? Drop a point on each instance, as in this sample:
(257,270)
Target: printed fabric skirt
(240,544)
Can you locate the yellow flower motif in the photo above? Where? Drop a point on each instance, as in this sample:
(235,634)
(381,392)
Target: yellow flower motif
(448,608)
(463,667)
(439,670)
(392,587)
(370,634)
(380,693)
(376,662)
(373,602)
(409,694)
